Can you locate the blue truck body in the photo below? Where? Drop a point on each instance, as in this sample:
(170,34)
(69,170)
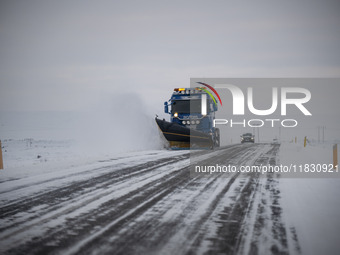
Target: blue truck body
(192,112)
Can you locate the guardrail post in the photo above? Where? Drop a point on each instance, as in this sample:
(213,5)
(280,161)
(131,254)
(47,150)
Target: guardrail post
(1,161)
(335,156)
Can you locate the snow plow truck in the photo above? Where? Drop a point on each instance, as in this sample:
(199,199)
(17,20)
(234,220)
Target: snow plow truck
(192,112)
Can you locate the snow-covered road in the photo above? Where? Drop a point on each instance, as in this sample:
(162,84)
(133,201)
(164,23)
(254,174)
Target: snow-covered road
(147,203)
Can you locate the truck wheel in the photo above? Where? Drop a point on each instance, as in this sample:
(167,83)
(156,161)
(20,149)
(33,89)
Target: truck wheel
(217,137)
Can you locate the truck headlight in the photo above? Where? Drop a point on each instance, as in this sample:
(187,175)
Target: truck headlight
(176,114)
(184,122)
(197,122)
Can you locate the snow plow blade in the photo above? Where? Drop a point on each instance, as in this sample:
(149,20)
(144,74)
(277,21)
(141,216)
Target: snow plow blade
(183,137)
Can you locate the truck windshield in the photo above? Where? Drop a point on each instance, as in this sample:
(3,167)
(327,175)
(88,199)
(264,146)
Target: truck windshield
(187,106)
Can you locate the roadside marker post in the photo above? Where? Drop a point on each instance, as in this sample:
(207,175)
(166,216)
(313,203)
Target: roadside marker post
(305,142)
(335,156)
(1,161)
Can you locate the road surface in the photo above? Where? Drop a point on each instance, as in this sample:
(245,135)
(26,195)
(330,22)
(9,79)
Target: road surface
(149,204)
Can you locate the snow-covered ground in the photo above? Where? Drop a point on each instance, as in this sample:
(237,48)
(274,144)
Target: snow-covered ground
(30,157)
(32,161)
(35,169)
(20,154)
(26,178)
(309,204)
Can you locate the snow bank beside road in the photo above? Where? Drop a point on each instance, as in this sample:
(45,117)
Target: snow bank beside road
(311,205)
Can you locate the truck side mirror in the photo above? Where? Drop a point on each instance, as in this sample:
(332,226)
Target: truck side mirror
(166,107)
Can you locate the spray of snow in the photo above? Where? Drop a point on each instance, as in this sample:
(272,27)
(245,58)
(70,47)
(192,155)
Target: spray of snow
(117,123)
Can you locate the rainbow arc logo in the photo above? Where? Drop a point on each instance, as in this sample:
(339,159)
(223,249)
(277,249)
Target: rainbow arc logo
(209,93)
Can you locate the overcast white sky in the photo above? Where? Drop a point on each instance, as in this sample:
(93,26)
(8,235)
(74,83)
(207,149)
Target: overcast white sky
(65,55)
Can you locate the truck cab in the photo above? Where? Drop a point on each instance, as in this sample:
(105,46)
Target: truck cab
(193,109)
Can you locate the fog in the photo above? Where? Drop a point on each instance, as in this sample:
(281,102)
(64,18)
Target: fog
(114,123)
